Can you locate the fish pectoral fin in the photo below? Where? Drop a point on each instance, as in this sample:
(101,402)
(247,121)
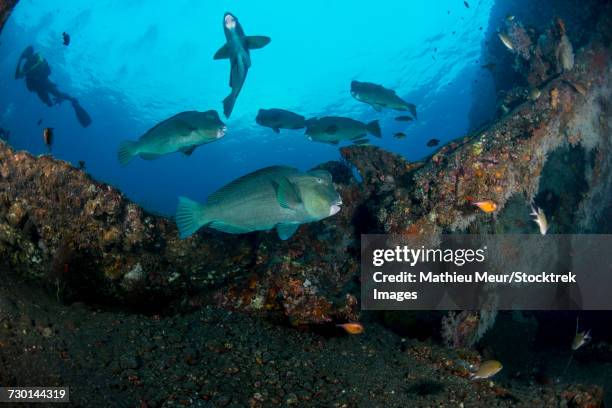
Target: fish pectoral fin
(331,129)
(276,130)
(286,195)
(254,42)
(285,231)
(223,52)
(377,107)
(149,156)
(187,151)
(334,142)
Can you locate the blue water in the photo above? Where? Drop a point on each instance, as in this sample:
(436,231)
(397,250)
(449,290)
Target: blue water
(134,63)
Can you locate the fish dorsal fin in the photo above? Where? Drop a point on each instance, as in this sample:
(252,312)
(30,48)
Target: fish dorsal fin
(285,231)
(261,176)
(222,53)
(188,150)
(286,194)
(254,42)
(331,129)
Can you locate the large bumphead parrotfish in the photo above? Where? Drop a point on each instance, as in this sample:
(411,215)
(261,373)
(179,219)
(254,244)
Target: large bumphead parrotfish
(278,119)
(273,197)
(236,49)
(182,132)
(380,97)
(336,129)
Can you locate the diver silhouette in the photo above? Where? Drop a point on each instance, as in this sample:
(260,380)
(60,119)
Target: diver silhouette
(36,71)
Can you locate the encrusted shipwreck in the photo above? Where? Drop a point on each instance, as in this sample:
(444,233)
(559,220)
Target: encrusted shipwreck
(84,240)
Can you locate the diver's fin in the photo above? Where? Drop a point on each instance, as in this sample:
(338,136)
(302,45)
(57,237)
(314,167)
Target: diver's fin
(254,42)
(126,152)
(286,195)
(228,104)
(149,156)
(374,128)
(276,130)
(223,52)
(331,129)
(377,107)
(189,217)
(81,114)
(188,150)
(285,231)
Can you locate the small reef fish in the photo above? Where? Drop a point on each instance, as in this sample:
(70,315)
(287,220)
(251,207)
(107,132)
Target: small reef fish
(278,197)
(506,40)
(490,66)
(433,142)
(237,50)
(81,164)
(539,218)
(576,86)
(487,370)
(352,328)
(580,338)
(380,97)
(565,54)
(182,132)
(335,129)
(534,94)
(404,118)
(278,119)
(400,135)
(488,206)
(509,17)
(466,4)
(48,137)
(361,141)
(39,122)
(66,38)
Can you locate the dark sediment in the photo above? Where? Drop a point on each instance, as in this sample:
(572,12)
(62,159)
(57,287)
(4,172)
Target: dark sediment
(215,358)
(89,247)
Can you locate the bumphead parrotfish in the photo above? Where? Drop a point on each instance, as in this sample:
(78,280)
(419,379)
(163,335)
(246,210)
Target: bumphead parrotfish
(273,197)
(182,132)
(236,49)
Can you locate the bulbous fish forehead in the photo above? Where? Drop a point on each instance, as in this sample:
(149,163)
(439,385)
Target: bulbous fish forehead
(229,20)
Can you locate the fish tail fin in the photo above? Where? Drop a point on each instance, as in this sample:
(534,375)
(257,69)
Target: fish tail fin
(374,128)
(126,152)
(189,217)
(228,104)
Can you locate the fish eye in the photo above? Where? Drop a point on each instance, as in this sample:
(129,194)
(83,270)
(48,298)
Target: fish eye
(319,180)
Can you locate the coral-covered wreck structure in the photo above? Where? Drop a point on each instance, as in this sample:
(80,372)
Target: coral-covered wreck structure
(86,242)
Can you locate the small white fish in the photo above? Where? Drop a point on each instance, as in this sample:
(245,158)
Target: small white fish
(506,40)
(581,338)
(539,218)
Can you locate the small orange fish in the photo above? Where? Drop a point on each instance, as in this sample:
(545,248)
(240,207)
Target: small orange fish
(352,328)
(487,206)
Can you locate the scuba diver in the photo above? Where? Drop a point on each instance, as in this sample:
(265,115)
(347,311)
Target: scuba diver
(36,72)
